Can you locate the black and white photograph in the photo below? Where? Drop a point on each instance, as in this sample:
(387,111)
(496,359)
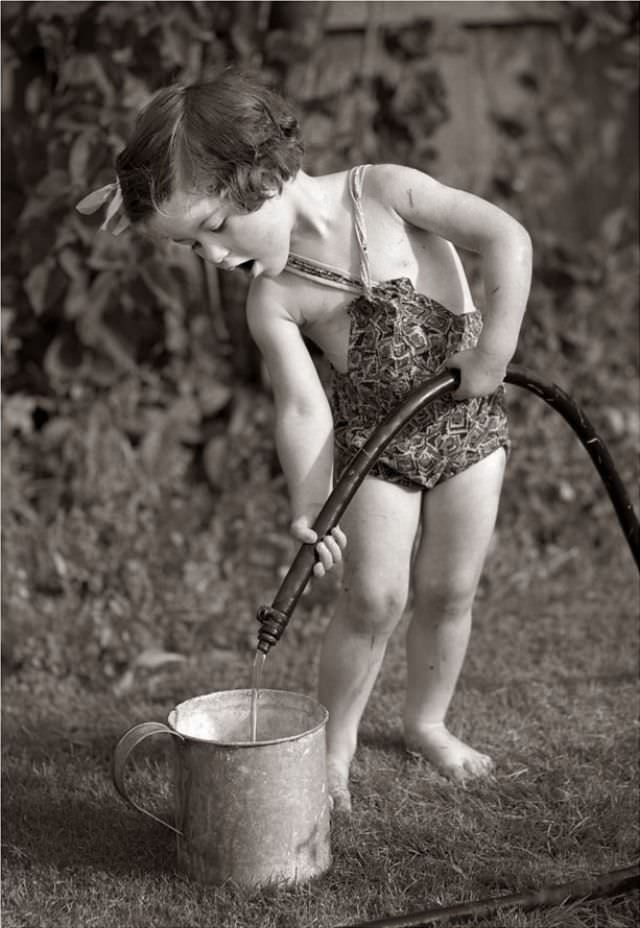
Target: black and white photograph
(320,459)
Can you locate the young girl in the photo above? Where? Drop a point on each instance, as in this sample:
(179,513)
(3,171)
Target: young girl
(364,264)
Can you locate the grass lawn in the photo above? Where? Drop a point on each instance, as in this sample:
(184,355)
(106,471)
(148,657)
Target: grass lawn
(549,689)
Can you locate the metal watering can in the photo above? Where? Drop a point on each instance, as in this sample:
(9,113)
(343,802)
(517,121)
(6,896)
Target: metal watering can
(259,812)
(251,812)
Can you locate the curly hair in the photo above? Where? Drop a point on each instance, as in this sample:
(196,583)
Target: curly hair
(230,137)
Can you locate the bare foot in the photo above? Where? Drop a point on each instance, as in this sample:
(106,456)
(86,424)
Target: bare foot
(450,756)
(338,782)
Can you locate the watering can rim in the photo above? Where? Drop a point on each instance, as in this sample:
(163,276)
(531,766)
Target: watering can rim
(251,744)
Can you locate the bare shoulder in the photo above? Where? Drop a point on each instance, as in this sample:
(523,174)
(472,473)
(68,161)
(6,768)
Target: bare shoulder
(277,334)
(396,184)
(380,176)
(453,214)
(269,311)
(266,302)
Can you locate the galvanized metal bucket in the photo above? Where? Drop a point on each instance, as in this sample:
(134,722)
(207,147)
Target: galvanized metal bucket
(251,812)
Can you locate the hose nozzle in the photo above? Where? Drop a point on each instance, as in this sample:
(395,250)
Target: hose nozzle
(272,624)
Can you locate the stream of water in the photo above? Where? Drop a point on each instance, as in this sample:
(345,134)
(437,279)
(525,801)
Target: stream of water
(256,679)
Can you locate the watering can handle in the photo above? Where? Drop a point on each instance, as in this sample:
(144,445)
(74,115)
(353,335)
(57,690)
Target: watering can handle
(129,741)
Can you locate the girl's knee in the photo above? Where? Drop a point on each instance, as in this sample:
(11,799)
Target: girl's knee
(445,597)
(371,606)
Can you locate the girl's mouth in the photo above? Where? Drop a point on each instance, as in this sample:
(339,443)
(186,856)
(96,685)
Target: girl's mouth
(246,265)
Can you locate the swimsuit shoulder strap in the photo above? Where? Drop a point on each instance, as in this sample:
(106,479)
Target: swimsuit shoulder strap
(326,273)
(322,273)
(356,176)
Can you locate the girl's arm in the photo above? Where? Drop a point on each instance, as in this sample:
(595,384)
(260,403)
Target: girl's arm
(304,424)
(475,225)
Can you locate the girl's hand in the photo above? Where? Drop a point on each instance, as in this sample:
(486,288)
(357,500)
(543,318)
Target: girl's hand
(328,549)
(481,372)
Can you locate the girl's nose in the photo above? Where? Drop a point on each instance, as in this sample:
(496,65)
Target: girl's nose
(210,252)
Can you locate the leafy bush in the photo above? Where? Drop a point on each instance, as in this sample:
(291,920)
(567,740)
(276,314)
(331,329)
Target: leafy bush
(143,506)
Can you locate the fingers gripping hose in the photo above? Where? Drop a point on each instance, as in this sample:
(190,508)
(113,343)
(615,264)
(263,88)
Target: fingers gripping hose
(273,619)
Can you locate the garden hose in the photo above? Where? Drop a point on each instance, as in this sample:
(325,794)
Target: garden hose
(273,619)
(607,884)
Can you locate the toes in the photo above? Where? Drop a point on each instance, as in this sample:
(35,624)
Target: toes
(451,757)
(458,769)
(460,774)
(478,767)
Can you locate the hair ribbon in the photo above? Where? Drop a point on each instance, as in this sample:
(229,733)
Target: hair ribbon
(112,195)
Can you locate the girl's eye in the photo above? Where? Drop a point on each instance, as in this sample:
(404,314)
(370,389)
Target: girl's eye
(217,228)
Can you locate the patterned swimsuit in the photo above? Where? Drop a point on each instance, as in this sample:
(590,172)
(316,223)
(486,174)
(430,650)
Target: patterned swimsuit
(398,339)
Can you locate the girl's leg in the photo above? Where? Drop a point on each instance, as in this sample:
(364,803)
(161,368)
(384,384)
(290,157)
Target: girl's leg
(458,522)
(380,524)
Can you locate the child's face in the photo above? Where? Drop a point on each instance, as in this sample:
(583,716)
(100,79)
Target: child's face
(220,234)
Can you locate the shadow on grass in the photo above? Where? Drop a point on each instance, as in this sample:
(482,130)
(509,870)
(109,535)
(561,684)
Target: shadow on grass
(571,683)
(381,740)
(43,830)
(59,808)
